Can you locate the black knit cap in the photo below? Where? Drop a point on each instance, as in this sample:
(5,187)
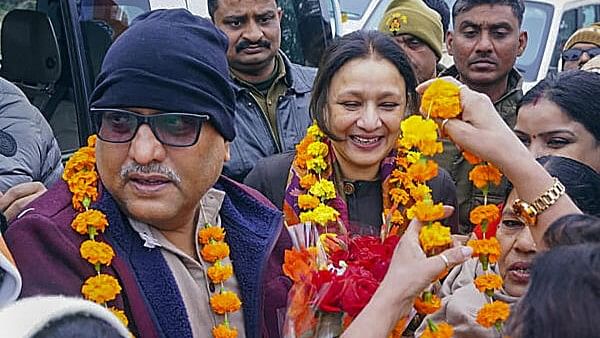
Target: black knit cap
(169,60)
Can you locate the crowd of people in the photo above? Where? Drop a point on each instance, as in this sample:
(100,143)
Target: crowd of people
(208,104)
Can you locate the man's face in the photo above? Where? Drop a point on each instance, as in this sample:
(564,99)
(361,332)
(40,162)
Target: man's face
(252,27)
(157,184)
(422,58)
(485,44)
(579,54)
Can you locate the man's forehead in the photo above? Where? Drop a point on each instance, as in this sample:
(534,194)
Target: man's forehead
(244,7)
(494,15)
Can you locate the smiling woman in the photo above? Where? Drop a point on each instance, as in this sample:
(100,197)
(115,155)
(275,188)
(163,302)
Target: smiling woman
(561,116)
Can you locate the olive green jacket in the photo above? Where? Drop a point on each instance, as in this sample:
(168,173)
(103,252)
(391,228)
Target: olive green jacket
(453,161)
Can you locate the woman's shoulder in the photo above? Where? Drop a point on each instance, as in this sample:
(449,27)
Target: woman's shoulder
(269,176)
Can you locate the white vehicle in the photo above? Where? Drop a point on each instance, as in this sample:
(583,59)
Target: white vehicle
(355,13)
(549,23)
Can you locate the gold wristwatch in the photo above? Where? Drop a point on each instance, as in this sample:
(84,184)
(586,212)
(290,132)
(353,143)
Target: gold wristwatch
(528,212)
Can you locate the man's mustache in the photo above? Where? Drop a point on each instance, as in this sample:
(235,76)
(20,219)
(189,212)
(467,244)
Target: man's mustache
(246,43)
(152,168)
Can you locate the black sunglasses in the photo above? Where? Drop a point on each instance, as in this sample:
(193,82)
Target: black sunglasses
(172,129)
(573,54)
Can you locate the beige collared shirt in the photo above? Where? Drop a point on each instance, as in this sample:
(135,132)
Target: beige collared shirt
(190,272)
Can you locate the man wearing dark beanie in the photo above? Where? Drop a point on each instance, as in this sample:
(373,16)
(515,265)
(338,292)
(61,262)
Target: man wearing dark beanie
(143,230)
(273,94)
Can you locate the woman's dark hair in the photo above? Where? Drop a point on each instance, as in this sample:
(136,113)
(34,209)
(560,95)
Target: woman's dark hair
(358,44)
(576,92)
(563,295)
(581,182)
(78,325)
(573,229)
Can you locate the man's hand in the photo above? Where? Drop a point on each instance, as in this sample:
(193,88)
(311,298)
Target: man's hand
(14,200)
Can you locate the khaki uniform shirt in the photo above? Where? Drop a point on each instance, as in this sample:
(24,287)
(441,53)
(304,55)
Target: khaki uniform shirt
(190,272)
(452,160)
(268,103)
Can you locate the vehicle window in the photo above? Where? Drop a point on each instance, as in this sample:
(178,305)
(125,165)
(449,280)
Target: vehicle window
(572,20)
(376,16)
(536,22)
(354,9)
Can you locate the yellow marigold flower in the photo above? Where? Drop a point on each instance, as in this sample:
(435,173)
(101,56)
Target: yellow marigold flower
(215,233)
(423,171)
(91,141)
(316,164)
(225,302)
(318,149)
(483,174)
(429,306)
(308,180)
(420,192)
(397,217)
(426,211)
(441,100)
(486,247)
(213,252)
(306,216)
(306,201)
(472,159)
(89,218)
(314,131)
(324,214)
(430,148)
(224,331)
(219,273)
(96,252)
(488,283)
(493,314)
(435,238)
(399,196)
(417,131)
(324,189)
(413,156)
(481,213)
(101,288)
(120,314)
(441,330)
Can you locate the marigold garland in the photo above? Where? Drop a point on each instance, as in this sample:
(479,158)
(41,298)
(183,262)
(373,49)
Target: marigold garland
(82,179)
(225,302)
(428,303)
(224,331)
(488,283)
(493,314)
(440,330)
(441,100)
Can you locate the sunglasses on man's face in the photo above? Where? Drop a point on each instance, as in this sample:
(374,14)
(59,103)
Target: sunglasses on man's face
(573,54)
(171,129)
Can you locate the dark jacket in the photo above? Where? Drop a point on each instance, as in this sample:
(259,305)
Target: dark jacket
(46,251)
(28,149)
(452,160)
(254,138)
(270,176)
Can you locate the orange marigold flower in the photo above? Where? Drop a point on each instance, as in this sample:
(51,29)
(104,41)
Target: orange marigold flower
(298,264)
(89,218)
(488,213)
(120,314)
(429,306)
(101,288)
(441,330)
(308,180)
(472,159)
(306,201)
(426,211)
(489,248)
(441,100)
(488,283)
(493,314)
(215,251)
(224,331)
(82,160)
(208,233)
(399,196)
(435,238)
(96,252)
(225,302)
(219,273)
(423,171)
(483,174)
(420,192)
(84,197)
(91,141)
(396,217)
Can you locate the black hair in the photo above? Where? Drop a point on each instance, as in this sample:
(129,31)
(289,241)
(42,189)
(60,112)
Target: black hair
(573,229)
(443,10)
(214,4)
(78,325)
(562,298)
(355,45)
(576,92)
(461,6)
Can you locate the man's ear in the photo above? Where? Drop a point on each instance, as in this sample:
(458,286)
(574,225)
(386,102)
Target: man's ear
(522,42)
(449,41)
